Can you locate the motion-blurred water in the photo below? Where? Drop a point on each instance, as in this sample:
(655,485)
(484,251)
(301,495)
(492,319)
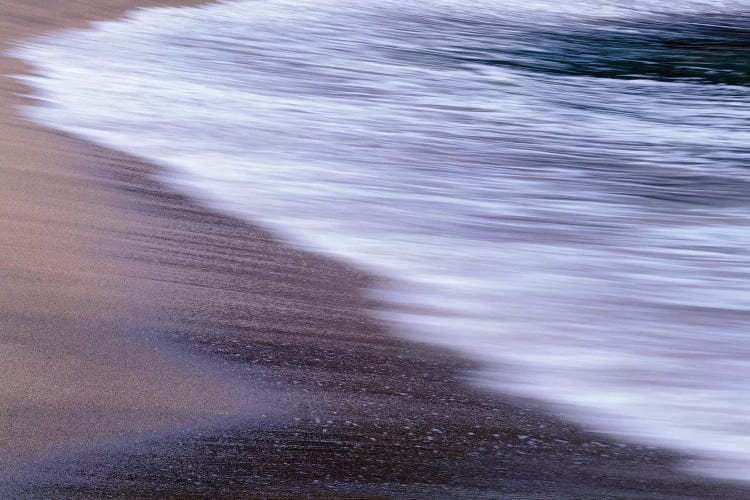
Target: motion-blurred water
(559,189)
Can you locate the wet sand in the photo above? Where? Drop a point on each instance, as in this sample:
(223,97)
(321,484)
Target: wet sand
(102,263)
(69,371)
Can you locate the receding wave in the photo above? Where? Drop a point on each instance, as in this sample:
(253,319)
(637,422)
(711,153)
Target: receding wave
(558,189)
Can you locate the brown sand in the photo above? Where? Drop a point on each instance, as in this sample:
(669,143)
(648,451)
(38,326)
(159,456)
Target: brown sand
(93,245)
(68,374)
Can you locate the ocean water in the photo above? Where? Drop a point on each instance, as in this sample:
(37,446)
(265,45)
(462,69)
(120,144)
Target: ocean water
(558,189)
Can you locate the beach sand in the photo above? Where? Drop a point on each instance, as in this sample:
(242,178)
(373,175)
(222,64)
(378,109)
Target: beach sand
(69,371)
(131,316)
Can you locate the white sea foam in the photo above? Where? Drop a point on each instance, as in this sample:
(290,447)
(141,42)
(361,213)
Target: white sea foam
(585,237)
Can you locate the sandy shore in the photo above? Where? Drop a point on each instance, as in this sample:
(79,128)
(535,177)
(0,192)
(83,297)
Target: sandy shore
(69,374)
(96,250)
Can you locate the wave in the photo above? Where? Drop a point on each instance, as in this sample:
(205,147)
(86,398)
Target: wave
(558,189)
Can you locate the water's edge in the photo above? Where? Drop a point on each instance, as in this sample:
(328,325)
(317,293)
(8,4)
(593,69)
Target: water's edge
(184,173)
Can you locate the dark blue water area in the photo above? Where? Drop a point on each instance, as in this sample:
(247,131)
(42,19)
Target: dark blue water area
(707,49)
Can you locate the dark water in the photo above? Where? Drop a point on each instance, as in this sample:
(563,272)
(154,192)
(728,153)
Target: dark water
(560,191)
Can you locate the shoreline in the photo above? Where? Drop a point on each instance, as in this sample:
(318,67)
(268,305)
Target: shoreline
(366,414)
(71,373)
